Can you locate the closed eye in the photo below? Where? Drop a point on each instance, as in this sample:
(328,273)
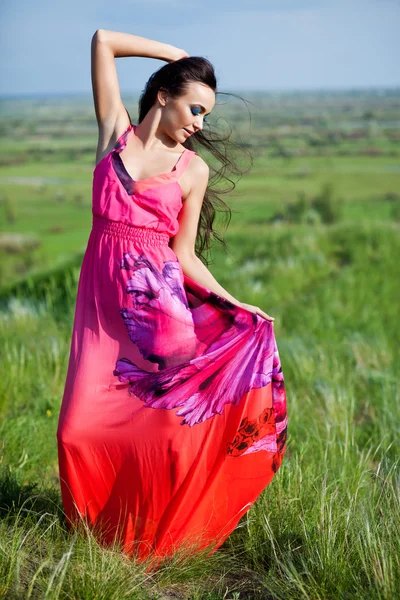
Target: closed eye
(197,109)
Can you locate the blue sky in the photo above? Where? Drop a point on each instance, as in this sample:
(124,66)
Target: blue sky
(253,45)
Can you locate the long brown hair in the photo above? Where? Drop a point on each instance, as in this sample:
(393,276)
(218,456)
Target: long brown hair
(174,77)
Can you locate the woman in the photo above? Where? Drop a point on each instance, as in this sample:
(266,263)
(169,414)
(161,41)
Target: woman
(173,417)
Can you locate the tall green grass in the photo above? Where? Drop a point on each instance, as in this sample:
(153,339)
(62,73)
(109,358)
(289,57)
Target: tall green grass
(328,526)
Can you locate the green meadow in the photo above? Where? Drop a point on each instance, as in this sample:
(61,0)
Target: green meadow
(313,241)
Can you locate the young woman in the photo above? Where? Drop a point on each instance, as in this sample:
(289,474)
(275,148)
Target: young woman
(173,418)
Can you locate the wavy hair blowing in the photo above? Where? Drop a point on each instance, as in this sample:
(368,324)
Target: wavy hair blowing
(175,77)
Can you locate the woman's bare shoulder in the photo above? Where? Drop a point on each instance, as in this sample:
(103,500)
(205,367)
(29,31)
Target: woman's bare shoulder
(198,165)
(195,175)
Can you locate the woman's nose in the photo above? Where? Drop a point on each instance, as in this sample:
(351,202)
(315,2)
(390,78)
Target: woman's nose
(198,124)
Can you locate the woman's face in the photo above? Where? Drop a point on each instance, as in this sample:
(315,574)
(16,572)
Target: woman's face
(187,111)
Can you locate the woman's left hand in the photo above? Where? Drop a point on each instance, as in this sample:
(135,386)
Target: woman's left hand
(257,311)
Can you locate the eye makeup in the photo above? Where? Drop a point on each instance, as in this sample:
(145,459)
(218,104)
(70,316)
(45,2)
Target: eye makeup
(197,107)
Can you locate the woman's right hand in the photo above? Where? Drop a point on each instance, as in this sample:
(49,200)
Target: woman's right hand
(176,54)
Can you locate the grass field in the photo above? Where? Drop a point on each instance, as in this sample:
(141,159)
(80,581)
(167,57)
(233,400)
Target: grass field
(314,241)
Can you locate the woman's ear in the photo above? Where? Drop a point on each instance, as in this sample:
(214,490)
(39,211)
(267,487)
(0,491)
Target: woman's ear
(162,96)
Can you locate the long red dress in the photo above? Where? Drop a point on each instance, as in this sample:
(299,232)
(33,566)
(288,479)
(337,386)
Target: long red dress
(173,418)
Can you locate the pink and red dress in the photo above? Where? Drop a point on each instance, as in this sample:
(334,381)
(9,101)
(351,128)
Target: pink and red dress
(173,418)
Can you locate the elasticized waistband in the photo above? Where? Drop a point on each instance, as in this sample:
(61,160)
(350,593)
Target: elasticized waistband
(129,232)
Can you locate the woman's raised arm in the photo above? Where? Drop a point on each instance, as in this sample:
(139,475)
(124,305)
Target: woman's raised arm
(106,46)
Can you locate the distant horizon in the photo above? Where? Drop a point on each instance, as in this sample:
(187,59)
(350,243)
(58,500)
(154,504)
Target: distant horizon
(76,94)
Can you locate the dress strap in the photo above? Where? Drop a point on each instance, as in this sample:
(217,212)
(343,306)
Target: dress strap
(183,162)
(122,140)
